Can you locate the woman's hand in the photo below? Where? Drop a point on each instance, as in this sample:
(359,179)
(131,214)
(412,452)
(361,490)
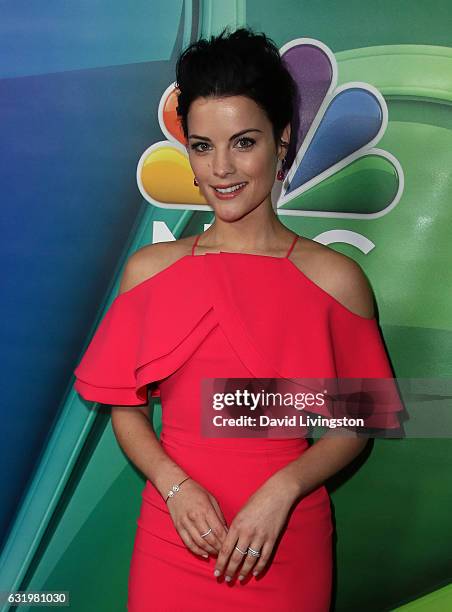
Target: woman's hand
(194,511)
(257,525)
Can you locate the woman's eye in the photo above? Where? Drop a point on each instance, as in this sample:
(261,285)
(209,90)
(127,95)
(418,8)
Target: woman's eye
(248,142)
(199,144)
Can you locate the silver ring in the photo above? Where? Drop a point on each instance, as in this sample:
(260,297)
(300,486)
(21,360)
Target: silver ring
(253,553)
(241,551)
(203,535)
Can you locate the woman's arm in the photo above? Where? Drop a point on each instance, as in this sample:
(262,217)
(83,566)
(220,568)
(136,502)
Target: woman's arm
(131,425)
(193,507)
(263,517)
(137,438)
(345,280)
(329,455)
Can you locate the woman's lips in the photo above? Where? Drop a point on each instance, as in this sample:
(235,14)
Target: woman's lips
(229,196)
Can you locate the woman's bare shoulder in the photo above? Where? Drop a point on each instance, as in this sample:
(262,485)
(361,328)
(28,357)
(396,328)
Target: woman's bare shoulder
(337,274)
(151,259)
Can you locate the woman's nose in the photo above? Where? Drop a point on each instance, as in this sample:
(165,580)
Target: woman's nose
(222,164)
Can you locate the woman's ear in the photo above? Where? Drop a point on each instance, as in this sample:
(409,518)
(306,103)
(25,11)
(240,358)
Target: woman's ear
(285,138)
(286,134)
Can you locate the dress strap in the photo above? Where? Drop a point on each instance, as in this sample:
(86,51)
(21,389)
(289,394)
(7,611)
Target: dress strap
(195,243)
(292,245)
(287,254)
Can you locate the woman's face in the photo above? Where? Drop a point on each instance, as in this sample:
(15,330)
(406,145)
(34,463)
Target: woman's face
(230,141)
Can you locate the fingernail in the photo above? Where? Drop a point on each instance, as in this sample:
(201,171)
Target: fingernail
(206,556)
(255,573)
(228,578)
(241,577)
(216,573)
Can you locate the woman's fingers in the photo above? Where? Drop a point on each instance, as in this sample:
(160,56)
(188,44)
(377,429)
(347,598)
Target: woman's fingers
(199,520)
(216,520)
(246,561)
(255,565)
(220,516)
(236,553)
(208,526)
(218,533)
(208,543)
(228,551)
(190,544)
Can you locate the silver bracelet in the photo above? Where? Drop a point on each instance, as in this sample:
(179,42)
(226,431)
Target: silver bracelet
(175,488)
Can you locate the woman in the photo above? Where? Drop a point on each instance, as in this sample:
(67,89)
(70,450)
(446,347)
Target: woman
(231,522)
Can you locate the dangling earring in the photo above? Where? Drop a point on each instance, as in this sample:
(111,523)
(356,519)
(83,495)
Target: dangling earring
(281,173)
(195,182)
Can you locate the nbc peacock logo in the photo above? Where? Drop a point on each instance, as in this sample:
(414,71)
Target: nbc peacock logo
(335,170)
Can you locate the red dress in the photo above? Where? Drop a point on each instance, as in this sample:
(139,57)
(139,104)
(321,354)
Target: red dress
(226,315)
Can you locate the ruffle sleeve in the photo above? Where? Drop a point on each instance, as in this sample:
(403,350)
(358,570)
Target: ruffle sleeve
(366,382)
(106,372)
(145,335)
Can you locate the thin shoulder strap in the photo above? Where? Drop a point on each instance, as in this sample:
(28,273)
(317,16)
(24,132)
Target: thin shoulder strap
(292,245)
(195,243)
(287,254)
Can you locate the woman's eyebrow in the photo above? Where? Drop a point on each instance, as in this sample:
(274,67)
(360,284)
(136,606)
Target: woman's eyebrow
(233,136)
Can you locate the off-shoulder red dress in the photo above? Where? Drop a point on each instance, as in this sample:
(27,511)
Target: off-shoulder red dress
(226,315)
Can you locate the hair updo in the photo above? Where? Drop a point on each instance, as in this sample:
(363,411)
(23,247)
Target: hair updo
(234,64)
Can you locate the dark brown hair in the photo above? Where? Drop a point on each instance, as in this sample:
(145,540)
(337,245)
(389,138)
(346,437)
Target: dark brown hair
(241,62)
